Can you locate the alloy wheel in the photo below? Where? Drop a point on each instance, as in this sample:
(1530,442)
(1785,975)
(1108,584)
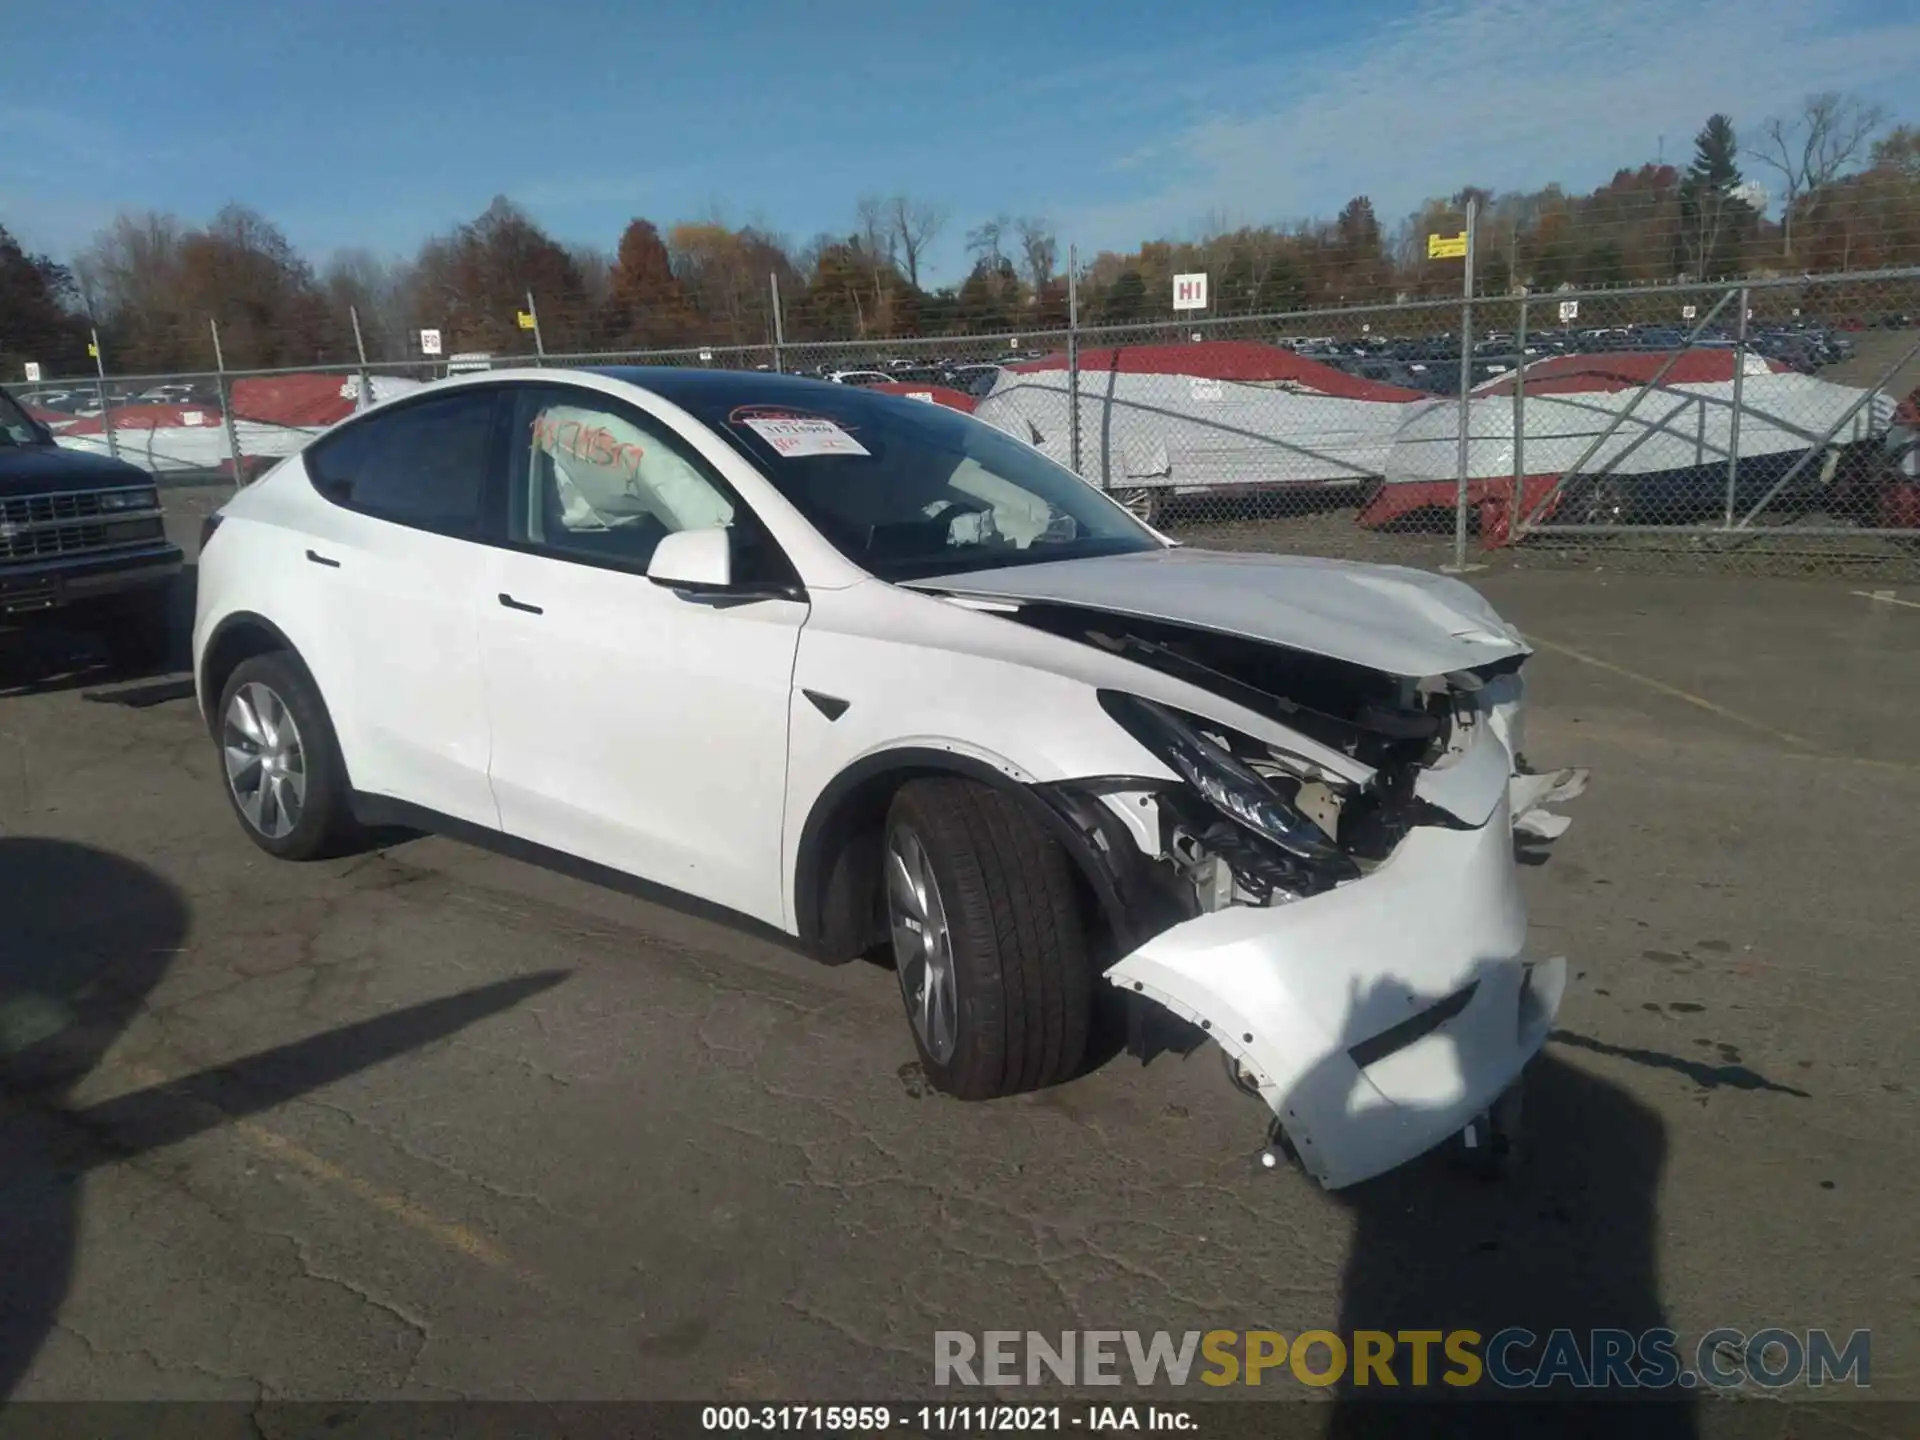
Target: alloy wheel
(266,763)
(922,944)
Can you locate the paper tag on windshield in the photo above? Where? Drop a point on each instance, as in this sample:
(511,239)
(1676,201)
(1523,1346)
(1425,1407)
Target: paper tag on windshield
(797,437)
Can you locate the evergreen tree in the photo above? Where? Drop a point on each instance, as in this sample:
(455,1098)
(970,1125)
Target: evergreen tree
(1713,220)
(1126,301)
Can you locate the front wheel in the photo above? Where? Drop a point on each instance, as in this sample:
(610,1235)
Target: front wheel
(988,940)
(282,765)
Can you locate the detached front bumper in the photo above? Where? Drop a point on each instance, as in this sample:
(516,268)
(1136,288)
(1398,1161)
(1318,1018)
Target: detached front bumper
(1377,1019)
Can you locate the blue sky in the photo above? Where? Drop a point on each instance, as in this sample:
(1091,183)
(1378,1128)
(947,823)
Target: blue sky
(375,124)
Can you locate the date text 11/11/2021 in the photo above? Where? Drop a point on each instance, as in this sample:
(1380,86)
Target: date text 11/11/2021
(946,1419)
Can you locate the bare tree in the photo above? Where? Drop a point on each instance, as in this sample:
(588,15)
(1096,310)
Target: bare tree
(915,225)
(596,272)
(378,291)
(1038,250)
(984,241)
(1811,149)
(874,234)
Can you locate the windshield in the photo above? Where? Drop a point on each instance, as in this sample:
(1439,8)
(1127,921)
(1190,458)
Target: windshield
(15,428)
(907,489)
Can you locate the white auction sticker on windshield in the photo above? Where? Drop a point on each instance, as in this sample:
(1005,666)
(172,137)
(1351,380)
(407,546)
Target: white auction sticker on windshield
(798,435)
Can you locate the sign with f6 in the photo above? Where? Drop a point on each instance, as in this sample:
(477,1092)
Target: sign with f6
(429,342)
(33,372)
(1190,291)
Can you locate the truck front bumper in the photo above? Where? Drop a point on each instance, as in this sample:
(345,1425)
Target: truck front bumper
(48,584)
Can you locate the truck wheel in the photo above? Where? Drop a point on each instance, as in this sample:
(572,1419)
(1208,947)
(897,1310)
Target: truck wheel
(282,763)
(987,938)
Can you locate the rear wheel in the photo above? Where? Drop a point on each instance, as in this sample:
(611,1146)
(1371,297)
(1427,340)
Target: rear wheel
(988,940)
(282,764)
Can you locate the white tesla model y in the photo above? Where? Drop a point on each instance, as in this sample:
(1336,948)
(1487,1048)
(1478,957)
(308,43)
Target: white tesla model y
(873,673)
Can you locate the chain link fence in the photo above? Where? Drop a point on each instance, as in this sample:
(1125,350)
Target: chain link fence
(1767,426)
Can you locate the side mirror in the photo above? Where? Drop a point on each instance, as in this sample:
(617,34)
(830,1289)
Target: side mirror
(693,560)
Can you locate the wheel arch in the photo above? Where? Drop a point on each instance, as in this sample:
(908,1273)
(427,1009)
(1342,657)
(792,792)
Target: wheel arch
(836,884)
(237,638)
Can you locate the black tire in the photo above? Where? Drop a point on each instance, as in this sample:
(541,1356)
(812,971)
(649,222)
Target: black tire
(324,824)
(1023,977)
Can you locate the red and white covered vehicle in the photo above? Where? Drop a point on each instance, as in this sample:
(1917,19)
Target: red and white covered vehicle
(1176,419)
(273,417)
(1659,457)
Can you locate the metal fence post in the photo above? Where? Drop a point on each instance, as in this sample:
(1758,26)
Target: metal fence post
(365,397)
(1739,390)
(226,403)
(779,324)
(1073,359)
(100,389)
(1466,392)
(1517,501)
(539,345)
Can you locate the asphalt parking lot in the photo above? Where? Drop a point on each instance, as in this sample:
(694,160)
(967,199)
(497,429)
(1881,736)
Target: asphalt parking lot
(425,1122)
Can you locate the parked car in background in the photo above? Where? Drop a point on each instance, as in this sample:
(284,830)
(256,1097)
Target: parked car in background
(81,537)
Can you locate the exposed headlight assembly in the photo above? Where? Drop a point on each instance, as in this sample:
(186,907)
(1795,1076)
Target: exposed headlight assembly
(1225,781)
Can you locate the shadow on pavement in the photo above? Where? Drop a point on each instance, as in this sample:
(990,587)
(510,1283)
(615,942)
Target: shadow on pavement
(87,935)
(1566,1241)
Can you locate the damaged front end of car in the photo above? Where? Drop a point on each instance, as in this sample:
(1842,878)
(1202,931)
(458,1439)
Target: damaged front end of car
(1351,937)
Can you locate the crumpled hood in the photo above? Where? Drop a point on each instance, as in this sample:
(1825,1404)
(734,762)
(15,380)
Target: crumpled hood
(1386,617)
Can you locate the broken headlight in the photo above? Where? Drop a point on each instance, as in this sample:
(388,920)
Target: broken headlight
(1224,780)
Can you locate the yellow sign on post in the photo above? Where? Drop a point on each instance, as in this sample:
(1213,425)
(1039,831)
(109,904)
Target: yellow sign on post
(1447,247)
(525,318)
(93,351)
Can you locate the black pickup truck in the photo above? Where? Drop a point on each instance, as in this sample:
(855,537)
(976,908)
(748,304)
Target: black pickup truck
(82,534)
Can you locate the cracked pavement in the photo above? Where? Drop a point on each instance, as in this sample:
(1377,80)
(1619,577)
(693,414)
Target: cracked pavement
(313,1155)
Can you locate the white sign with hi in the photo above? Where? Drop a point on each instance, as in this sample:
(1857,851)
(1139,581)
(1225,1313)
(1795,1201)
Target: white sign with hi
(33,372)
(1569,310)
(429,342)
(1190,291)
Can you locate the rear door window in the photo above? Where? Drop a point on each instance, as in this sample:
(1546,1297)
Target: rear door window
(423,464)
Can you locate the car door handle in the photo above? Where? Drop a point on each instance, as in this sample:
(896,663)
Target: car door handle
(317,558)
(513,604)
